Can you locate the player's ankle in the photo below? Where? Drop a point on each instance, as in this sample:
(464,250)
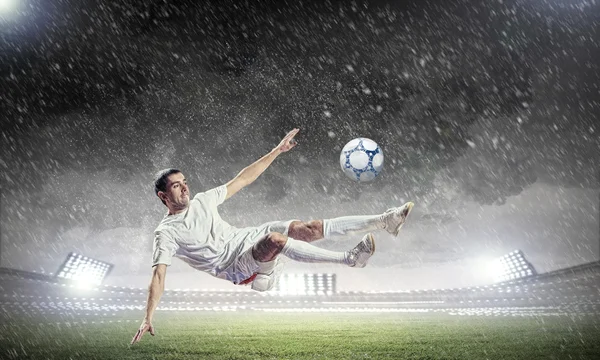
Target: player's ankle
(348,259)
(381,223)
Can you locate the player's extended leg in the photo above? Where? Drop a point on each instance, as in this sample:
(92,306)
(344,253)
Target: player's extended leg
(391,221)
(265,252)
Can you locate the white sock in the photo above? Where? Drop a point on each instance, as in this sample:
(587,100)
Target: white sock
(305,252)
(266,267)
(349,225)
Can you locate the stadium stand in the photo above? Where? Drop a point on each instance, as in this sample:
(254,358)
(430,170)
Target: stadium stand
(573,290)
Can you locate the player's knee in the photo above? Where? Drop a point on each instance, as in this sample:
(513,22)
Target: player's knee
(316,229)
(306,231)
(275,241)
(267,248)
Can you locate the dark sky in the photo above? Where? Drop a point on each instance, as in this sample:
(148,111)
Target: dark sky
(487,113)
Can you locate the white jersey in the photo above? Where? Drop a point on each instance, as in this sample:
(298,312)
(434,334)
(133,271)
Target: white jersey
(206,242)
(198,235)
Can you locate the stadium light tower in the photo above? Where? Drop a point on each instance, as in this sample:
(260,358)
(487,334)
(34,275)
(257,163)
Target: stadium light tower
(85,271)
(511,266)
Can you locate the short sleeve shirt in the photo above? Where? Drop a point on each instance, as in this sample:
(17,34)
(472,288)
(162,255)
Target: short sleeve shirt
(197,236)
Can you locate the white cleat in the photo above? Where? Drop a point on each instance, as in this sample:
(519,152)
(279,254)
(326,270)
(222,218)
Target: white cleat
(394,218)
(266,282)
(359,256)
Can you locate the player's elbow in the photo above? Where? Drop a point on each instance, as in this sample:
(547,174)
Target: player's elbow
(241,180)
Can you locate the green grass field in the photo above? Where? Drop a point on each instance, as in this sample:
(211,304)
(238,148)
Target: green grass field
(253,335)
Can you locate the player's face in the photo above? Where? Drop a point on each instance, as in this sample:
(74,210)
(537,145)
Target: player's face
(178,193)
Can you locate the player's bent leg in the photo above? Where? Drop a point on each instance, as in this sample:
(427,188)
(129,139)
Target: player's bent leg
(267,248)
(265,253)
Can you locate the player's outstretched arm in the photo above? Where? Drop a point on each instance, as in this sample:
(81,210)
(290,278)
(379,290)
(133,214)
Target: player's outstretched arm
(253,171)
(155,291)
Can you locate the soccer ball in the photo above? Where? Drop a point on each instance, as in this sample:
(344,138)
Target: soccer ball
(361,159)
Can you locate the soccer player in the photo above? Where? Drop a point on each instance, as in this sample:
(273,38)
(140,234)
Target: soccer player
(193,231)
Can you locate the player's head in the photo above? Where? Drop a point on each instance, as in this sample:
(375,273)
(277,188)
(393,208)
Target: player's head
(171,187)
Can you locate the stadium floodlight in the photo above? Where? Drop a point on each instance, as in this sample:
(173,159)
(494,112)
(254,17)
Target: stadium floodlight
(511,266)
(6,5)
(83,270)
(306,284)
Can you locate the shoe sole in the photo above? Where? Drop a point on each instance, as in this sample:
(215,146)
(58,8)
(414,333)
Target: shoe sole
(372,241)
(397,230)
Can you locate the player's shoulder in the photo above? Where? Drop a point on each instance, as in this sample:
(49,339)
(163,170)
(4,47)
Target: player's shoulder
(211,192)
(160,228)
(164,233)
(166,226)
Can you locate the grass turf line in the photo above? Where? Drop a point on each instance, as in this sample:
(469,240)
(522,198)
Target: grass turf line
(305,336)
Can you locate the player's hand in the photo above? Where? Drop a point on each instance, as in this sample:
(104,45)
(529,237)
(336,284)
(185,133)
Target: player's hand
(288,142)
(145,327)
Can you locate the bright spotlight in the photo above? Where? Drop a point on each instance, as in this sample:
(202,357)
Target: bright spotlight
(84,271)
(6,5)
(495,268)
(511,266)
(306,284)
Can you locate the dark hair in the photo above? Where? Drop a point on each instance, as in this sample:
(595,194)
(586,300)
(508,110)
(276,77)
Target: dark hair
(161,179)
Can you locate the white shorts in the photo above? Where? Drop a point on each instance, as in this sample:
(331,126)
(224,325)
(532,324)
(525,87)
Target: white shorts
(244,265)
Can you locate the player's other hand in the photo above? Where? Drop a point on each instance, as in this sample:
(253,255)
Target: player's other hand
(288,142)
(145,327)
